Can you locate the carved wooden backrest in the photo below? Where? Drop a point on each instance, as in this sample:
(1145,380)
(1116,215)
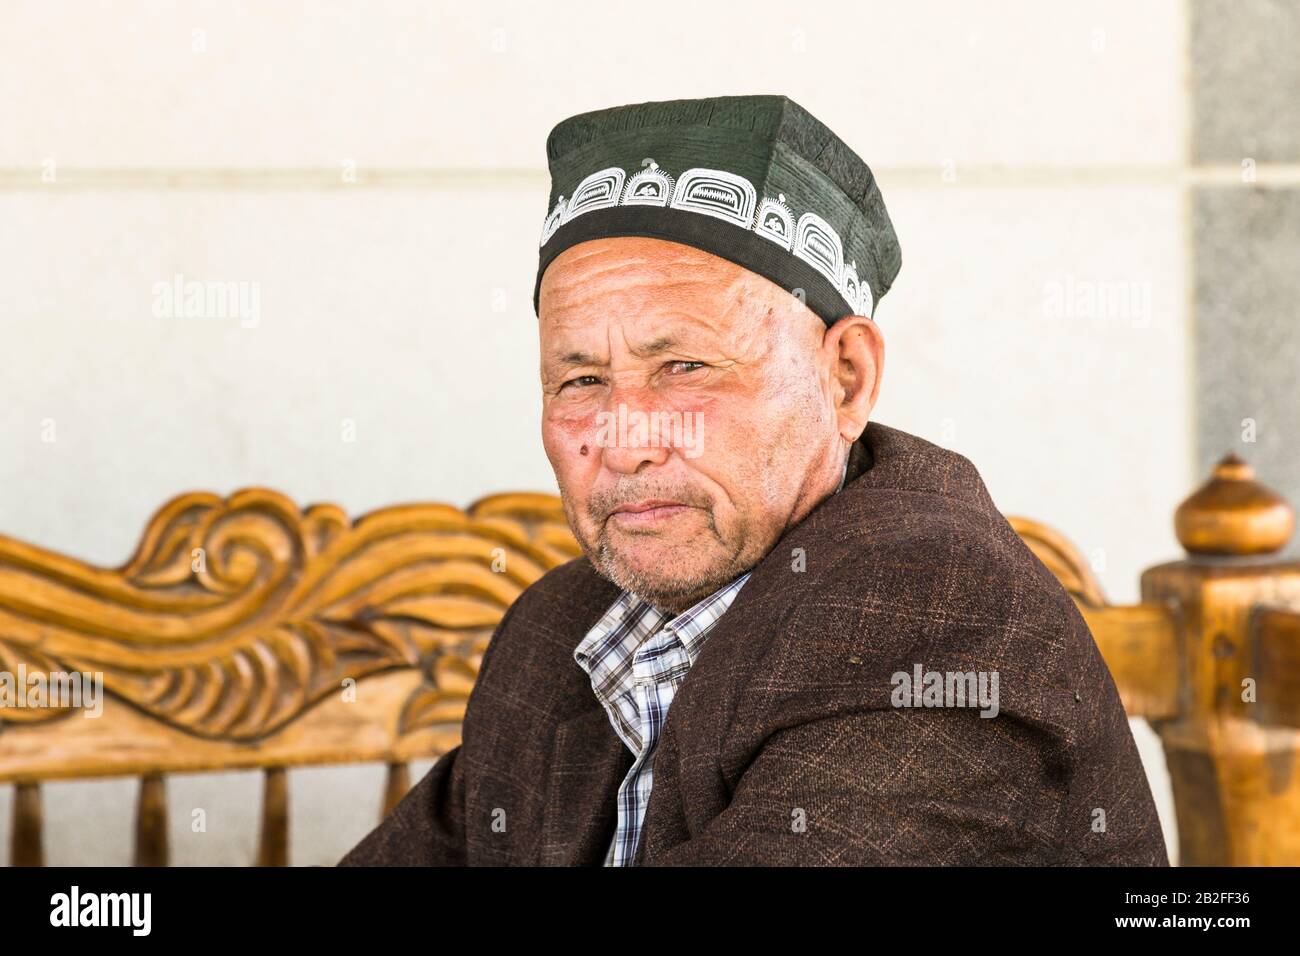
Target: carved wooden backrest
(248,633)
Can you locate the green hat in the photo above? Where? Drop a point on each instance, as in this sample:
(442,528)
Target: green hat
(757,180)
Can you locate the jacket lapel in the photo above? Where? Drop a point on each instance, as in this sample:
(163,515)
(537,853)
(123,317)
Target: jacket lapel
(588,762)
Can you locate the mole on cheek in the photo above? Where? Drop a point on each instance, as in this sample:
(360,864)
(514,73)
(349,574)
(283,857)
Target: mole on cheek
(583,451)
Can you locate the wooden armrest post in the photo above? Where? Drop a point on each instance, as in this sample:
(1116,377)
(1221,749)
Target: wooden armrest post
(1228,747)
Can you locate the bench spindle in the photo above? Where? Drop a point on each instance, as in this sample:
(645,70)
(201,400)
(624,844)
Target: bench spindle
(399,781)
(26,848)
(151,848)
(273,845)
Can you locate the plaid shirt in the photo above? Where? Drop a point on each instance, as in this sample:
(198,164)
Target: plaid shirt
(636,657)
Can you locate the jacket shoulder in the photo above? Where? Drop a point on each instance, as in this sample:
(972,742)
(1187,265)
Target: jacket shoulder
(908,577)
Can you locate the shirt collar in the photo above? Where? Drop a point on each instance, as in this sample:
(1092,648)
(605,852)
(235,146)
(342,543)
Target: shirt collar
(630,612)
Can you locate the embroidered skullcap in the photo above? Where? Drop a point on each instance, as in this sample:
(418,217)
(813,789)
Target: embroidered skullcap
(757,180)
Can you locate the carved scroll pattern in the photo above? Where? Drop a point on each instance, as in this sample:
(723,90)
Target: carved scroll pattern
(236,615)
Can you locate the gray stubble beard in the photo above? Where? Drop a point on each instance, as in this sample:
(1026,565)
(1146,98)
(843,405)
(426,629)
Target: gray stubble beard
(607,564)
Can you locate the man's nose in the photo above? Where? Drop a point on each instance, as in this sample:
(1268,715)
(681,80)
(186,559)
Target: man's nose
(629,440)
(628,461)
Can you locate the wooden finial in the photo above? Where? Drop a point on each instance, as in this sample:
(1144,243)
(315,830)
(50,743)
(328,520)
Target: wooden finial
(1233,514)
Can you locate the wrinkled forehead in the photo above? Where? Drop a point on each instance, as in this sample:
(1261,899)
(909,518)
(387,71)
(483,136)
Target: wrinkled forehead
(594,272)
(651,290)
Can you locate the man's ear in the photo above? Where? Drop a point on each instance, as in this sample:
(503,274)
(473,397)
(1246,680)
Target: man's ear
(856,348)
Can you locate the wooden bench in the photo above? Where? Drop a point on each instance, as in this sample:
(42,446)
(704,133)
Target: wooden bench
(249,633)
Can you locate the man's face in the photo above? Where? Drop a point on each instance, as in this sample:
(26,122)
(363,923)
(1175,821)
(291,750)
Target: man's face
(689,412)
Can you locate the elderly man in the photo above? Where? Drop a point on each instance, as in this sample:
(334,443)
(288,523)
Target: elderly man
(795,636)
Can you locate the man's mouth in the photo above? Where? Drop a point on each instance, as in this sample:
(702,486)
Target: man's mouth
(647,513)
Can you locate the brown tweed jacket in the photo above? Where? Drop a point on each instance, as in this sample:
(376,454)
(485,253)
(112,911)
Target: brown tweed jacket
(782,745)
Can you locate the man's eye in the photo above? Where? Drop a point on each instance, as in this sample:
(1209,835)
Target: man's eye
(681,368)
(580,381)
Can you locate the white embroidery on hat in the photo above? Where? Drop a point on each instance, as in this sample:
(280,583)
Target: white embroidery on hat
(716,192)
(727,196)
(598,191)
(552,222)
(650,187)
(817,244)
(866,304)
(776,222)
(849,284)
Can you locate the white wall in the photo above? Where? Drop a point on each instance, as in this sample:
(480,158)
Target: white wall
(1019,145)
